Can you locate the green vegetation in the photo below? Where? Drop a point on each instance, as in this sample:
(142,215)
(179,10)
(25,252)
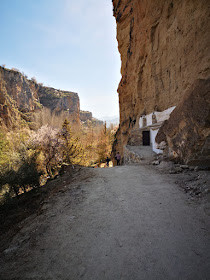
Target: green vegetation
(28,158)
(104,147)
(39,144)
(51,95)
(18,170)
(38,104)
(72,148)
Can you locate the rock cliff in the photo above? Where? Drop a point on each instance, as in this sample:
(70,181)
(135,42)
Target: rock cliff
(164,48)
(85,116)
(59,100)
(20,97)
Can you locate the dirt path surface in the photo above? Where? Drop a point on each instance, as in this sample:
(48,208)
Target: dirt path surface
(127,222)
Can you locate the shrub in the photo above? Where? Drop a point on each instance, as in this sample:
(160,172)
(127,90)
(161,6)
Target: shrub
(33,79)
(19,169)
(24,178)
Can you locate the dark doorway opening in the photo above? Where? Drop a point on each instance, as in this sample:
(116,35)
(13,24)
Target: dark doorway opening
(146,138)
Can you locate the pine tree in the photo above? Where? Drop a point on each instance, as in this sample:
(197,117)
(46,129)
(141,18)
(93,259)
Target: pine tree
(71,148)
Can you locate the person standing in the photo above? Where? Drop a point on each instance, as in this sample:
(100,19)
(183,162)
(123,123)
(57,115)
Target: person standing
(118,158)
(107,161)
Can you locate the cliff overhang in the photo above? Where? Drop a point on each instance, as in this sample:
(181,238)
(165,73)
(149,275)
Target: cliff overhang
(164,48)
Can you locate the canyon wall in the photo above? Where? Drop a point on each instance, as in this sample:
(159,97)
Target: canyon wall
(20,98)
(164,48)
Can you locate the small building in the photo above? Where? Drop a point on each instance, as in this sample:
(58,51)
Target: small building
(149,126)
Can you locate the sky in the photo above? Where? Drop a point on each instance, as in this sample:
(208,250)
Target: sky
(66,44)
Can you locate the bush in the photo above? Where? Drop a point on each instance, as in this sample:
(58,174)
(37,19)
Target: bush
(19,169)
(33,79)
(25,178)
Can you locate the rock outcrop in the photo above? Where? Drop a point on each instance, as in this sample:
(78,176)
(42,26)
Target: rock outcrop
(187,132)
(9,114)
(164,48)
(85,116)
(59,100)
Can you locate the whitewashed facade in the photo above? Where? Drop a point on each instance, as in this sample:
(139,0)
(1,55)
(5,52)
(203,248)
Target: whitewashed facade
(153,122)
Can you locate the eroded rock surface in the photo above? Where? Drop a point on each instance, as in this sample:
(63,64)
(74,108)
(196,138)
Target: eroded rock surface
(164,48)
(187,132)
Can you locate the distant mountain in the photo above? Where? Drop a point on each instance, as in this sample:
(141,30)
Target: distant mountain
(110,120)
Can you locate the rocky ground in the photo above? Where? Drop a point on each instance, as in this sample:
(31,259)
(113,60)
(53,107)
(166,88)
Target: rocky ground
(193,180)
(127,222)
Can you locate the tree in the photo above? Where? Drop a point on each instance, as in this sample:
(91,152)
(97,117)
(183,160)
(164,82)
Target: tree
(4,153)
(104,145)
(47,141)
(3,148)
(105,129)
(71,147)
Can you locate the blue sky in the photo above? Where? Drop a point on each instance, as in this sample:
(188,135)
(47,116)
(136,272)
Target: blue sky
(66,44)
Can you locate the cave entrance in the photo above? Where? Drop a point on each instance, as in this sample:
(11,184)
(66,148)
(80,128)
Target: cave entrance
(146,138)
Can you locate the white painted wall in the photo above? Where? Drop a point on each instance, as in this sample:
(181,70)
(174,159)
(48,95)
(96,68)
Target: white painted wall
(165,115)
(153,134)
(161,116)
(141,122)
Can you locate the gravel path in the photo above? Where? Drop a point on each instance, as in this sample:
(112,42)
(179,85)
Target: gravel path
(127,222)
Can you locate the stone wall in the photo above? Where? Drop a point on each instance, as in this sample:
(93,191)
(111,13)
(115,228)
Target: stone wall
(164,48)
(131,156)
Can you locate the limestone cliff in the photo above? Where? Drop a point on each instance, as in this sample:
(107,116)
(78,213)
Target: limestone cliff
(86,118)
(164,48)
(9,114)
(20,97)
(59,100)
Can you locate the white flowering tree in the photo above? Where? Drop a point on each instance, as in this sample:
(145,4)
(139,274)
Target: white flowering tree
(47,140)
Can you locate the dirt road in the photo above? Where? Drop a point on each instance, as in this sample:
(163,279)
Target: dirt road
(127,222)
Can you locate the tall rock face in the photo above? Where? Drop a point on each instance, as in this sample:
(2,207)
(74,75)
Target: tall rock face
(9,115)
(164,48)
(19,97)
(59,100)
(20,89)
